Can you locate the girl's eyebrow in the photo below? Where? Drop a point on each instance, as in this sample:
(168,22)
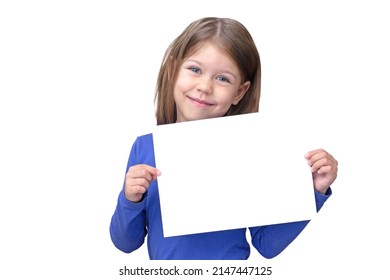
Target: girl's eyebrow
(198,62)
(193,60)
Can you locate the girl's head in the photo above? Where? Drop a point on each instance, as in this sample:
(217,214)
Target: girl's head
(213,65)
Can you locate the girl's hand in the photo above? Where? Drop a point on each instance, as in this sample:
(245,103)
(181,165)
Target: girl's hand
(323,167)
(138,179)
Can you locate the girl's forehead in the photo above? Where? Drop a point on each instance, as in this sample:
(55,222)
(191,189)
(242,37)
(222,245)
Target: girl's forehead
(201,45)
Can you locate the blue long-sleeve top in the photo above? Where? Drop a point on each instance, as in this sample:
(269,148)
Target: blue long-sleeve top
(132,222)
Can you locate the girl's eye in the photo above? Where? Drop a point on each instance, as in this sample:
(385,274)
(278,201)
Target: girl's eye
(194,69)
(223,79)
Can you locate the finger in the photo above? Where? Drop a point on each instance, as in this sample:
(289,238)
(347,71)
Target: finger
(139,189)
(319,155)
(324,165)
(135,193)
(322,162)
(142,182)
(141,174)
(155,173)
(309,154)
(143,171)
(325,169)
(152,170)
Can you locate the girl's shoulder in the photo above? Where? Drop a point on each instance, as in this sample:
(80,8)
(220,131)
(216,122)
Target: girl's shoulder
(144,140)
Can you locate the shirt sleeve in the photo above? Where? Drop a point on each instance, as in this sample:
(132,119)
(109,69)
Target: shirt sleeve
(128,223)
(127,228)
(271,240)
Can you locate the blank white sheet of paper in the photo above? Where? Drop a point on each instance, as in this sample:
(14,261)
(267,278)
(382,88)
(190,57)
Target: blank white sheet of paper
(231,172)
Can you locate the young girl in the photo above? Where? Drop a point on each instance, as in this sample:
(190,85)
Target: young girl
(211,70)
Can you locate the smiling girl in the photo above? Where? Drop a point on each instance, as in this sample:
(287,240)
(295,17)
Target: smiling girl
(210,70)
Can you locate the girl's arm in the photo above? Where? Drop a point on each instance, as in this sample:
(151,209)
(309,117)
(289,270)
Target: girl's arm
(128,224)
(271,240)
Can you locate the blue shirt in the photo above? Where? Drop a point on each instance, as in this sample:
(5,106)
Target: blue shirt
(132,222)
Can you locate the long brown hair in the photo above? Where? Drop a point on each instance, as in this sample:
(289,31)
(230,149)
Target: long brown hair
(234,39)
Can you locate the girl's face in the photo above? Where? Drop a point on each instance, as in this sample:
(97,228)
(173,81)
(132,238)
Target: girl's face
(208,83)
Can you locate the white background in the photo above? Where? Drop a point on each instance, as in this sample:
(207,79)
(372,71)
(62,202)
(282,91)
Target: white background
(77,82)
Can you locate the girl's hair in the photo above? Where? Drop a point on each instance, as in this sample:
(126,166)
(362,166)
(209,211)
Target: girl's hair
(232,37)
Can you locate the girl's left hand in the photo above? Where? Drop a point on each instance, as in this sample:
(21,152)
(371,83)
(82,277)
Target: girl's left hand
(323,167)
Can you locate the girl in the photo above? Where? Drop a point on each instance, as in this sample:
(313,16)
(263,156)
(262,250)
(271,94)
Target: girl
(211,70)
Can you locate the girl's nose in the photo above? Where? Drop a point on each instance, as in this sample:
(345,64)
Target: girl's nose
(205,85)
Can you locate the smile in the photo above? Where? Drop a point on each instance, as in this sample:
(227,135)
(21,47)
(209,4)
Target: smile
(199,102)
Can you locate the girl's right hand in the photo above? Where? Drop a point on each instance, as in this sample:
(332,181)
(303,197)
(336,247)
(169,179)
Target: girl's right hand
(138,179)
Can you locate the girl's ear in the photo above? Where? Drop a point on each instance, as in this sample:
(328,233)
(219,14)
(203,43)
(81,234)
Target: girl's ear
(241,92)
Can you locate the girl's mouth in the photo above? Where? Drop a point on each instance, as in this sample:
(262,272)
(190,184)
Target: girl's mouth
(199,102)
